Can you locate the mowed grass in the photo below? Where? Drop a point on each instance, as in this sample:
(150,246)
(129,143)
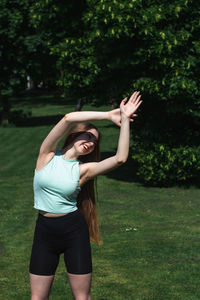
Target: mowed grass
(151,235)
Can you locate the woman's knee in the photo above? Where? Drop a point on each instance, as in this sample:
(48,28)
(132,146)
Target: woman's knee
(82,297)
(38,297)
(80,286)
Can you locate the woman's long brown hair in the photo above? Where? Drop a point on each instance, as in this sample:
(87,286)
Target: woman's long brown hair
(86,201)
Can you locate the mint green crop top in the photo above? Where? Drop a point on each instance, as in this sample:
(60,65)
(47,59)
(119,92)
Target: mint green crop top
(56,186)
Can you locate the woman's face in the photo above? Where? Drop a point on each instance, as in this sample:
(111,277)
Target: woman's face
(86,141)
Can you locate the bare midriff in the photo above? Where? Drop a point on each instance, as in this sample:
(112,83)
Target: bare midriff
(50,215)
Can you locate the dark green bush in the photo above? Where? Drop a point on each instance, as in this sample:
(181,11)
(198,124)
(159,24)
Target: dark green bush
(166,145)
(165,166)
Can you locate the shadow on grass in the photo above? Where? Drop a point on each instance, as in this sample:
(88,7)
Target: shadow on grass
(38,98)
(20,121)
(126,172)
(37,121)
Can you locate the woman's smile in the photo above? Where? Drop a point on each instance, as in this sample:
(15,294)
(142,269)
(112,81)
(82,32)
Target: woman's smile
(87,147)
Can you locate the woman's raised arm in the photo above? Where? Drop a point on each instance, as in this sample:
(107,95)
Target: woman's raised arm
(127,110)
(60,129)
(50,143)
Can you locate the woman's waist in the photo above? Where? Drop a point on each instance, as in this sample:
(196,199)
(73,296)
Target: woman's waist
(50,208)
(51,215)
(50,223)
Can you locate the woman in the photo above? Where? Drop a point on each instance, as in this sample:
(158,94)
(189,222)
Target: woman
(59,176)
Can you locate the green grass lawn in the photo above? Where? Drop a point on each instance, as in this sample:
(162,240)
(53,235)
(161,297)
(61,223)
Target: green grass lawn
(151,235)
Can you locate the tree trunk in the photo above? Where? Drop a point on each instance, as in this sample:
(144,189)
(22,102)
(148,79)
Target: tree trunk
(5,110)
(79,105)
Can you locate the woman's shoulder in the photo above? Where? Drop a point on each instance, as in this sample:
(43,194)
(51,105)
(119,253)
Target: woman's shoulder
(83,168)
(46,159)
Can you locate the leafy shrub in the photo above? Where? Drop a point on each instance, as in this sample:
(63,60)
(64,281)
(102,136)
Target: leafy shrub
(164,166)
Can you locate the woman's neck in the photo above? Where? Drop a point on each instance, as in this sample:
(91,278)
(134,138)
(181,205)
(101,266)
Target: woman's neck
(69,153)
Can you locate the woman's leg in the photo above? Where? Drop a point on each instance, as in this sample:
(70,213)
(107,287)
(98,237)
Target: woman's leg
(44,259)
(40,286)
(78,260)
(80,286)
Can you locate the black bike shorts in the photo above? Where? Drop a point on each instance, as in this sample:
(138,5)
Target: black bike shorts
(67,234)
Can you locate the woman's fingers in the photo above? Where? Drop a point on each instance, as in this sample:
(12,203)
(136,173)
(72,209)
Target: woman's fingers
(129,107)
(134,96)
(137,98)
(136,101)
(138,104)
(124,100)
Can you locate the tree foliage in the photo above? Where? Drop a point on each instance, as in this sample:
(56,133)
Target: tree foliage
(13,29)
(106,49)
(102,50)
(22,51)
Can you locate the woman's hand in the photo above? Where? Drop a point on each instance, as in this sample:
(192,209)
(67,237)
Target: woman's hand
(115,114)
(129,108)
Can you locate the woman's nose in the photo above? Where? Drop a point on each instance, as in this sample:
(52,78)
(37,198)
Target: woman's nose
(90,143)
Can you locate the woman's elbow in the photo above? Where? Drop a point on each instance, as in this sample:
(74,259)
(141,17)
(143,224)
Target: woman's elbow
(121,160)
(67,118)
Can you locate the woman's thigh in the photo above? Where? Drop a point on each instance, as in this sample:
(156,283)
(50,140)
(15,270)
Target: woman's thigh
(40,285)
(77,254)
